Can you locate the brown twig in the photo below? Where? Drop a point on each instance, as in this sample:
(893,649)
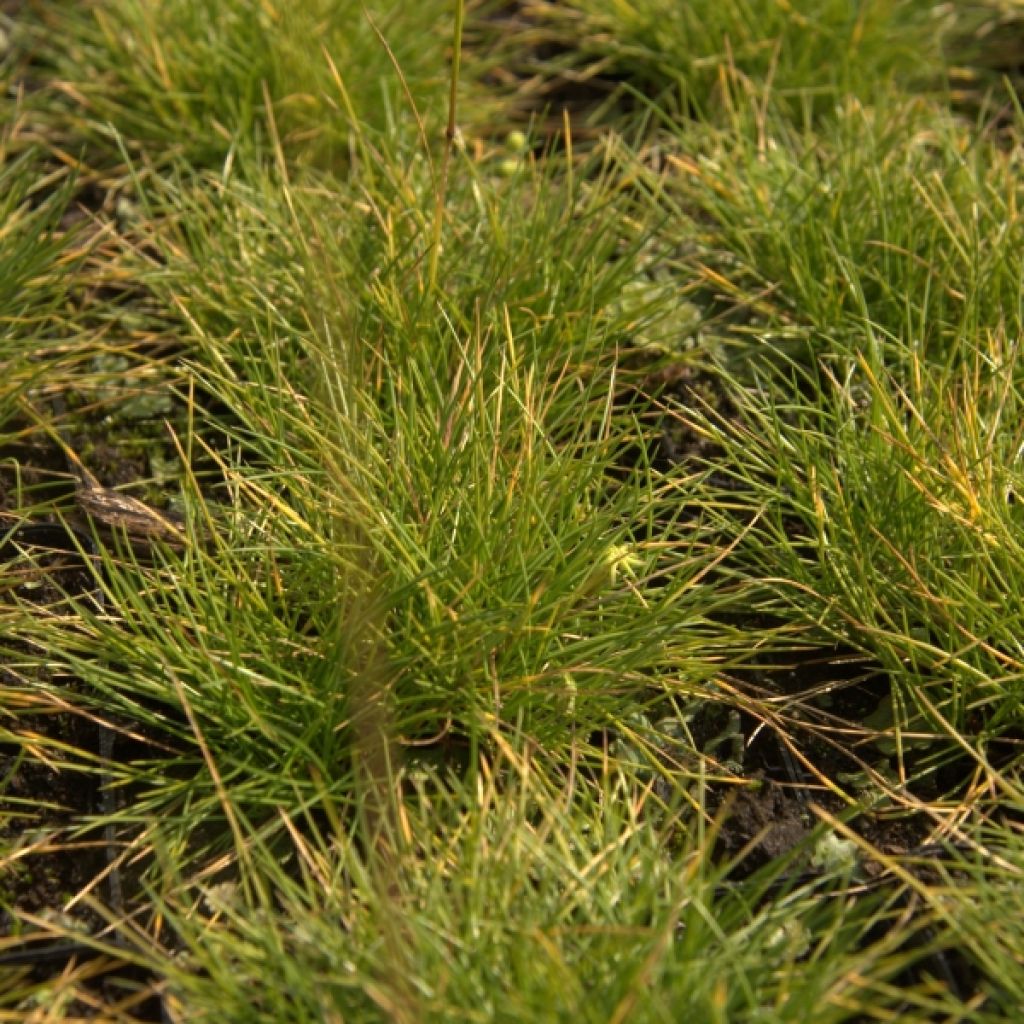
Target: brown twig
(111,507)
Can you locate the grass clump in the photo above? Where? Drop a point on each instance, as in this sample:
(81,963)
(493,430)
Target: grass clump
(433,518)
(688,57)
(890,521)
(901,219)
(523,894)
(207,81)
(884,447)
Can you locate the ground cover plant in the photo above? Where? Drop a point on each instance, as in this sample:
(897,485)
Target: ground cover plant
(510,513)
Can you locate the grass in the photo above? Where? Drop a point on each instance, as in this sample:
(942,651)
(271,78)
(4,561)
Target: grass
(209,82)
(599,600)
(810,56)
